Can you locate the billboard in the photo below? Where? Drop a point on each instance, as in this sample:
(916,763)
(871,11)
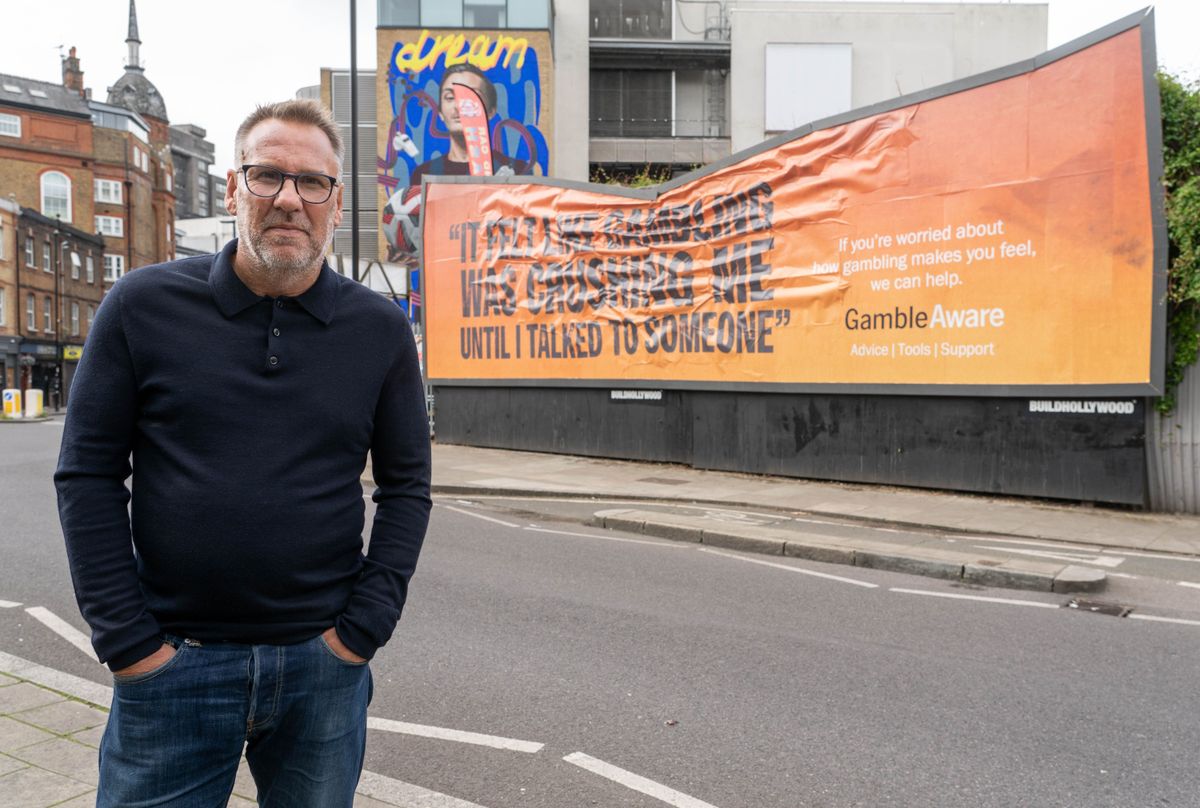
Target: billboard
(420,129)
(1001,235)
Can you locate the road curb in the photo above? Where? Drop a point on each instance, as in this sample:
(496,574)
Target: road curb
(973,568)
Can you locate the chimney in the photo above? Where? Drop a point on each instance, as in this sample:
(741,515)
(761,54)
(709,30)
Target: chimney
(72,75)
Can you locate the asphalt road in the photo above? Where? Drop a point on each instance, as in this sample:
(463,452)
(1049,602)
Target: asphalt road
(713,678)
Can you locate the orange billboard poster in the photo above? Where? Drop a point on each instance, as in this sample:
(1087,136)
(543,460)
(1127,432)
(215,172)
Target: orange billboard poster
(1000,237)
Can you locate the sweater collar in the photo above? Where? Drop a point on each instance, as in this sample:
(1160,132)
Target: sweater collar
(232,296)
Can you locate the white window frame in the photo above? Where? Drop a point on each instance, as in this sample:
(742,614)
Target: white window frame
(74,319)
(91,268)
(109,192)
(111,226)
(52,175)
(10,125)
(114,267)
(3,306)
(75,265)
(30,256)
(31,312)
(47,257)
(91,317)
(48,314)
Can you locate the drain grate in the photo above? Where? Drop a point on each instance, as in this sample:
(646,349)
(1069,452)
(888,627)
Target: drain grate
(1098,607)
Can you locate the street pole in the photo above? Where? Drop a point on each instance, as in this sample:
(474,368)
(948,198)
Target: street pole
(354,135)
(58,283)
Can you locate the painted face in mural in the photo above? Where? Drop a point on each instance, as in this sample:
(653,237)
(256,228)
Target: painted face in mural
(449,109)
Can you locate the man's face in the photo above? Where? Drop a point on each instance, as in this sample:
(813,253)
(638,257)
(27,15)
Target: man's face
(449,108)
(285,235)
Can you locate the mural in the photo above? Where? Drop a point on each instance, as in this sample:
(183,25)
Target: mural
(423,128)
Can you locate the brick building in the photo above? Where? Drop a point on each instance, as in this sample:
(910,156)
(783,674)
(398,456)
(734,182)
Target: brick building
(9,335)
(58,287)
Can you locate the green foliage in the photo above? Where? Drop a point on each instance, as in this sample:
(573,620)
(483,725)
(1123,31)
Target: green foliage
(1181,176)
(644,178)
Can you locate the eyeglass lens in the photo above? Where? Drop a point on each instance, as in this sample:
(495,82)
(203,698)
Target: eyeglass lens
(265,181)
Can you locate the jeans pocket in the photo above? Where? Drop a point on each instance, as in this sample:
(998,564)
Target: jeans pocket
(326,647)
(145,676)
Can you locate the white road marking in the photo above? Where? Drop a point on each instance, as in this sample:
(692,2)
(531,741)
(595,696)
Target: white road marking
(459,736)
(8,604)
(479,516)
(1189,583)
(1098,560)
(635,781)
(1178,620)
(63,629)
(1122,575)
(790,568)
(980,598)
(400,793)
(997,540)
(1164,556)
(668,545)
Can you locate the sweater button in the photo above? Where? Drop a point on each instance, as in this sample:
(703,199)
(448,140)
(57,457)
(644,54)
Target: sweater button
(274,360)
(275,331)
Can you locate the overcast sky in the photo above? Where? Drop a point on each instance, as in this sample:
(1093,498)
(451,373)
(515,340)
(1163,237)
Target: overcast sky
(213,61)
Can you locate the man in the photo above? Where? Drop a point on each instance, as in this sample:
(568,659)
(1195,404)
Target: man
(232,600)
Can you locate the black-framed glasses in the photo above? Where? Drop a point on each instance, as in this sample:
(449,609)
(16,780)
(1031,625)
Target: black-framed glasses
(267,182)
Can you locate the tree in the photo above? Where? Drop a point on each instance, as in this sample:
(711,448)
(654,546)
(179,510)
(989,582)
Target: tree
(1181,178)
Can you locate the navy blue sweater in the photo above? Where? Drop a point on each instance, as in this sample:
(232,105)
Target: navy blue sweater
(248,420)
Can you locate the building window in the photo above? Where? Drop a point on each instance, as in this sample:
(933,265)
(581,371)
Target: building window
(169,181)
(3,307)
(56,195)
(47,264)
(30,261)
(400,13)
(30,313)
(1,241)
(631,19)
(48,314)
(485,13)
(108,191)
(91,269)
(114,267)
(110,226)
(10,125)
(91,317)
(74,319)
(631,103)
(75,265)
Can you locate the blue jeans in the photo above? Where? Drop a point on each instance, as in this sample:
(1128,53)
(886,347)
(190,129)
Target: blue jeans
(175,734)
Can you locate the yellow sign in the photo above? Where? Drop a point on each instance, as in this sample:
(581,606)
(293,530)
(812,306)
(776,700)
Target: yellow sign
(72,351)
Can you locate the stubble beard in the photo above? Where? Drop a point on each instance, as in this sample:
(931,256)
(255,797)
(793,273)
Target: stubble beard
(285,264)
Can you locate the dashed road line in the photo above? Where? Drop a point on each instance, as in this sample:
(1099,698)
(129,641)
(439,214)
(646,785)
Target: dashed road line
(789,568)
(635,781)
(63,629)
(465,512)
(1192,584)
(8,604)
(1157,619)
(459,736)
(666,545)
(400,793)
(980,598)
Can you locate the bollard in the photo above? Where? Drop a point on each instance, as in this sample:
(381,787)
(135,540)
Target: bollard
(34,403)
(12,403)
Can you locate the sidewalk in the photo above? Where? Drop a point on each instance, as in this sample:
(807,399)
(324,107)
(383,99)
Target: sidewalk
(469,470)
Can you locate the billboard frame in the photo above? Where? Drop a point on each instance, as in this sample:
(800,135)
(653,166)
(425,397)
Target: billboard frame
(1142,20)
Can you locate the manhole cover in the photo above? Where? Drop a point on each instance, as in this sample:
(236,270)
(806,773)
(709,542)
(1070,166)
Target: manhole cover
(1111,609)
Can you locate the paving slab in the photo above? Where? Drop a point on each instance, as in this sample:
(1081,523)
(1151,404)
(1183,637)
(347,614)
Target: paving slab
(90,737)
(15,734)
(65,757)
(34,788)
(64,717)
(24,696)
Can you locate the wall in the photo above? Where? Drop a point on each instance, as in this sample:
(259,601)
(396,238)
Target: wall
(964,444)
(896,49)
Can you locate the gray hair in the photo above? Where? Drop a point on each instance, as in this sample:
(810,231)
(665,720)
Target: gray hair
(297,110)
